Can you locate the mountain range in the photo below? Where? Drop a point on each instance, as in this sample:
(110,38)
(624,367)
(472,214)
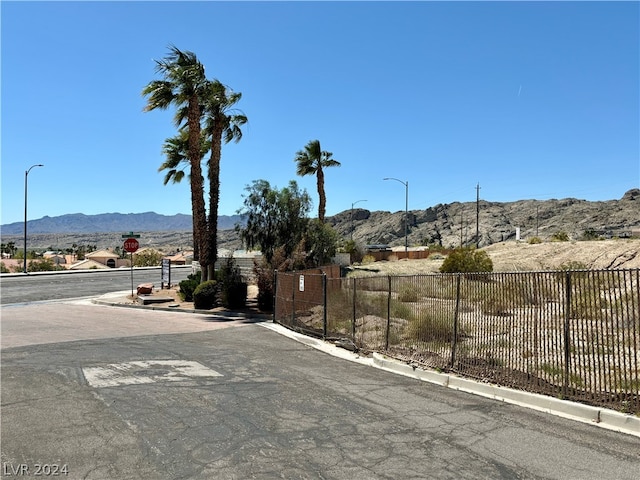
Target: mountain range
(112,222)
(448,225)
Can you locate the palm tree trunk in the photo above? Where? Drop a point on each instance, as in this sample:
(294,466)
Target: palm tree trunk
(321,195)
(197,185)
(214,194)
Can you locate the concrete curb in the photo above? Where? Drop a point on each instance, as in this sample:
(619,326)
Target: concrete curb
(602,417)
(119,299)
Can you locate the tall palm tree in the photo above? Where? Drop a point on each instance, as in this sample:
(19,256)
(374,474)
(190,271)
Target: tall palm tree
(182,86)
(176,150)
(222,123)
(312,161)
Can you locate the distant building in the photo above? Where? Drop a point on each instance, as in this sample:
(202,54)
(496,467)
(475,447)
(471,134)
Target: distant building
(108,259)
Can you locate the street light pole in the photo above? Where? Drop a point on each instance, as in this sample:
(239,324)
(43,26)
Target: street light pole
(357,201)
(406,211)
(26,175)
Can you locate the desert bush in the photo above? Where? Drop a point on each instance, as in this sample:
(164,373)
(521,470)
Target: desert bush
(205,295)
(534,240)
(467,260)
(560,237)
(3,268)
(368,259)
(188,286)
(573,265)
(435,326)
(408,293)
(401,310)
(496,305)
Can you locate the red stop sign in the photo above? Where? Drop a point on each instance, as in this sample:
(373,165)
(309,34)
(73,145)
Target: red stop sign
(131,245)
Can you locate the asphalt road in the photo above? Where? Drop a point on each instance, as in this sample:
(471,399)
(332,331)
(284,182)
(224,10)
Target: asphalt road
(54,286)
(119,393)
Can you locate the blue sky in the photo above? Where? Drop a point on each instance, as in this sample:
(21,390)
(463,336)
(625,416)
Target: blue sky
(530,100)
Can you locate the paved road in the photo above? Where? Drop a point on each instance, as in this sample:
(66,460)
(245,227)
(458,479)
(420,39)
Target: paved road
(161,395)
(54,286)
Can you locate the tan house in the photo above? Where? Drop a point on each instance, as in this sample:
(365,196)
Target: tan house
(181,258)
(108,259)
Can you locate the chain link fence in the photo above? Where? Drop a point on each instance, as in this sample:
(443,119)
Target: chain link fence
(568,334)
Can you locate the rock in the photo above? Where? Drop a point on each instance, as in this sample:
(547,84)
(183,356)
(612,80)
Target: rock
(145,288)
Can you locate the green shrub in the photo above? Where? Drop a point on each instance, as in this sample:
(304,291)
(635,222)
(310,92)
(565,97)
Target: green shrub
(205,295)
(265,281)
(534,240)
(467,260)
(233,289)
(188,286)
(3,268)
(43,265)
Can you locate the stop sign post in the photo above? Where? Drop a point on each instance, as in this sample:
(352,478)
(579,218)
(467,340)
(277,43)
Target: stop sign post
(131,245)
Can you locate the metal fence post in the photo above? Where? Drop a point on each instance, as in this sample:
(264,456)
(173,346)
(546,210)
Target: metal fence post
(293,299)
(324,305)
(275,295)
(454,340)
(353,319)
(567,339)
(386,343)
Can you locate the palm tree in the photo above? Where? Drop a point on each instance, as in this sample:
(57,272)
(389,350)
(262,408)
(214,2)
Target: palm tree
(182,86)
(222,122)
(176,152)
(311,161)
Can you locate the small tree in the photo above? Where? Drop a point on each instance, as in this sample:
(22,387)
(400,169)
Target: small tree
(274,218)
(321,243)
(147,258)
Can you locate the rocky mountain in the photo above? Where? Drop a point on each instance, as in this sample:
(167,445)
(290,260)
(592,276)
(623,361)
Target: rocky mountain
(455,223)
(444,224)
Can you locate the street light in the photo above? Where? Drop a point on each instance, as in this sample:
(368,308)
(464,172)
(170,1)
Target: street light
(357,201)
(406,211)
(26,175)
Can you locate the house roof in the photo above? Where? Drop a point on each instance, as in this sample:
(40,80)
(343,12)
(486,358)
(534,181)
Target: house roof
(102,254)
(87,264)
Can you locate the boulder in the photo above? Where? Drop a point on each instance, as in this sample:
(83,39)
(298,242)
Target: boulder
(145,288)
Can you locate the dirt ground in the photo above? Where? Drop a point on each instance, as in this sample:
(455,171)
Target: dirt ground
(520,256)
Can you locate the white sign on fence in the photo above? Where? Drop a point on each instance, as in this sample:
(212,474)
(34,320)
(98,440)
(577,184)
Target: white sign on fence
(301,284)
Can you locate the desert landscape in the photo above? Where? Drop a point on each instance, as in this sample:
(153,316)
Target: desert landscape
(512,256)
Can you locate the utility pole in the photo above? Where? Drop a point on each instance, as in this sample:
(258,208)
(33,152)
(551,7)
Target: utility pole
(478,216)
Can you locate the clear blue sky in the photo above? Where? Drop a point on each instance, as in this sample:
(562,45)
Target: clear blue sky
(530,100)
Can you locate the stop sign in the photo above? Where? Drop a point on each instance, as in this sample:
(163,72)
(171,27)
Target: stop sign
(131,245)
